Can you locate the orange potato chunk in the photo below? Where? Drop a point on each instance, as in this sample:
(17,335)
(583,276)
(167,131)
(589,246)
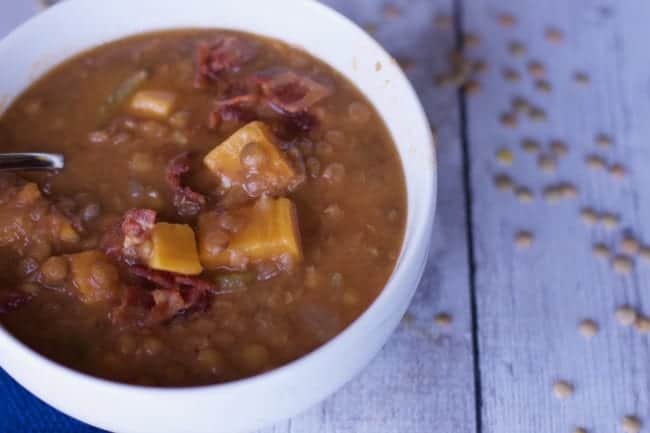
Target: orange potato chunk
(269,231)
(174,249)
(251,151)
(94,277)
(157,104)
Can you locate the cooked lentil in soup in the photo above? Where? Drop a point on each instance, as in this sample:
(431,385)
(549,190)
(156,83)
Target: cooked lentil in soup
(228,204)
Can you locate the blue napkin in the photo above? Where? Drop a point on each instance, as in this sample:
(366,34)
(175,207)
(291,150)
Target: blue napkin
(21,412)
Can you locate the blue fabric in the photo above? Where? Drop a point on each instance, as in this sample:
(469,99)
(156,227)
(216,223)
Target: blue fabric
(21,412)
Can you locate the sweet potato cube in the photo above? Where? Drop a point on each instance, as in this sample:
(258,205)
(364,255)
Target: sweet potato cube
(270,230)
(174,249)
(94,277)
(155,104)
(251,149)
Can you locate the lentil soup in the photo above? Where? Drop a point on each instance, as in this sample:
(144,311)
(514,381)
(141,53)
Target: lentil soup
(228,204)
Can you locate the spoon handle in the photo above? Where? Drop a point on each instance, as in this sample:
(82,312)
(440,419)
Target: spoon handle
(30,161)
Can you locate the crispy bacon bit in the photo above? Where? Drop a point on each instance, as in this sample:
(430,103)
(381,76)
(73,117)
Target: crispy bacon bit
(112,241)
(186,201)
(169,280)
(136,229)
(12,301)
(288,92)
(228,54)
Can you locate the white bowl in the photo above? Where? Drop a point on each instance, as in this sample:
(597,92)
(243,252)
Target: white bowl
(244,405)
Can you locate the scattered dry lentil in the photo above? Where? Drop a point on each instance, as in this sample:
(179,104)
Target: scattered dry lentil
(626,315)
(520,105)
(523,239)
(629,245)
(568,190)
(603,141)
(631,424)
(588,216)
(503,182)
(530,145)
(536,69)
(471,40)
(506,20)
(559,148)
(554,35)
(543,86)
(595,162)
(600,250)
(642,324)
(617,171)
(523,194)
(562,389)
(504,156)
(580,430)
(472,86)
(392,11)
(588,328)
(610,221)
(644,252)
(479,66)
(546,163)
(622,264)
(516,48)
(508,120)
(443,22)
(552,193)
(443,319)
(581,78)
(511,75)
(537,114)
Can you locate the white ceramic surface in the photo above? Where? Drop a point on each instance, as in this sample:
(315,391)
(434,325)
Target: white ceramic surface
(77,25)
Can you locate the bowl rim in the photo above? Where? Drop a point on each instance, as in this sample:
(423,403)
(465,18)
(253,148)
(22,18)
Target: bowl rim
(421,233)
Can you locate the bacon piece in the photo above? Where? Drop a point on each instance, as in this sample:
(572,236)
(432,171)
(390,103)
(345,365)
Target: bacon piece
(227,54)
(112,241)
(12,301)
(136,230)
(169,280)
(186,201)
(288,92)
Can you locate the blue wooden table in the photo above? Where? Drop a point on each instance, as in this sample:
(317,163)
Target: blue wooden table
(543,139)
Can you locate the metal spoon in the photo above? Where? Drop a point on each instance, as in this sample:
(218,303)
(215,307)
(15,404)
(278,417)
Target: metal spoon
(31,161)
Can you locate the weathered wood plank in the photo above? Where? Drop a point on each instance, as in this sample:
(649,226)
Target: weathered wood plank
(423,379)
(530,301)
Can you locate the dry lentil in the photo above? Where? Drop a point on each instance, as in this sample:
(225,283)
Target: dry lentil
(504,156)
(537,114)
(600,250)
(523,239)
(588,328)
(524,194)
(546,163)
(520,105)
(631,424)
(617,171)
(543,86)
(536,69)
(642,324)
(603,141)
(629,245)
(391,11)
(580,430)
(510,74)
(559,148)
(472,86)
(552,193)
(562,389)
(622,264)
(610,221)
(479,66)
(581,78)
(530,145)
(516,48)
(568,190)
(471,40)
(644,252)
(554,35)
(626,315)
(506,20)
(503,182)
(443,319)
(508,120)
(595,162)
(588,216)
